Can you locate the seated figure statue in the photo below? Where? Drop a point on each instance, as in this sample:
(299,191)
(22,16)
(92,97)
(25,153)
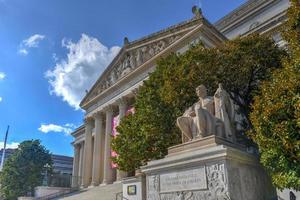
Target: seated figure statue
(208,116)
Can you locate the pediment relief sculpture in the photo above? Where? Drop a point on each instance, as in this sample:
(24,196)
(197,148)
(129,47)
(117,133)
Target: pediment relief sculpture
(132,59)
(209,116)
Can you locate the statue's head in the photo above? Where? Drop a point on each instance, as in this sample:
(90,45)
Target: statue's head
(201,91)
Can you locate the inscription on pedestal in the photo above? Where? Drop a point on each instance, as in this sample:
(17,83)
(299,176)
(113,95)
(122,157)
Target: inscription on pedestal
(190,179)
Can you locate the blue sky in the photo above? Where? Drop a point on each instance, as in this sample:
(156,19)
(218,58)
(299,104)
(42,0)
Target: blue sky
(52,51)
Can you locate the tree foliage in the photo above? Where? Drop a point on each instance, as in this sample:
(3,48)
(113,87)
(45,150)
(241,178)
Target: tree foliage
(239,65)
(276,112)
(22,171)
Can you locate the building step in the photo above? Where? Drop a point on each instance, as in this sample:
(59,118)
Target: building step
(107,192)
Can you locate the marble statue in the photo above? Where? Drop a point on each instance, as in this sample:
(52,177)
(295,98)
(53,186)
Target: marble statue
(225,111)
(208,116)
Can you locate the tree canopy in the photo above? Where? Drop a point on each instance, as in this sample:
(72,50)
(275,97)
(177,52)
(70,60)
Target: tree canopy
(240,65)
(22,171)
(276,112)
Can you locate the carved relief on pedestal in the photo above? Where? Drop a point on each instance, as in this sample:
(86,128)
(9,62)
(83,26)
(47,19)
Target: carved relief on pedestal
(178,196)
(217,186)
(153,187)
(217,182)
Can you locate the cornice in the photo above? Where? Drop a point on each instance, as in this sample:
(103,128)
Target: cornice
(182,25)
(241,13)
(78,131)
(270,25)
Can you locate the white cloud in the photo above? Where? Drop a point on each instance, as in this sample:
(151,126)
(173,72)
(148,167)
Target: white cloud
(2,75)
(12,145)
(55,58)
(84,63)
(23,52)
(67,128)
(31,42)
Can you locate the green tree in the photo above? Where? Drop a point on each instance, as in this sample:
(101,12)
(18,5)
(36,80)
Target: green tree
(239,65)
(276,112)
(22,172)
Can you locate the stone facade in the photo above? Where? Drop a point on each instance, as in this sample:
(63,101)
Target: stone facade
(116,89)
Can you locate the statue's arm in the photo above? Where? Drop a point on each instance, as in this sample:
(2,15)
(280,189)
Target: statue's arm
(190,111)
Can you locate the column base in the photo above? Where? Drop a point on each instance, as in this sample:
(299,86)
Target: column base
(117,181)
(93,185)
(105,183)
(82,186)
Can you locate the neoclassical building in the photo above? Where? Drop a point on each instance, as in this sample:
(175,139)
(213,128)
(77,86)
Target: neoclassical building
(115,90)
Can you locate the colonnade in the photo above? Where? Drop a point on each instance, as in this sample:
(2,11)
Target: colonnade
(92,156)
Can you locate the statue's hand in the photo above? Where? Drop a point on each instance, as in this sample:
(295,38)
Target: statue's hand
(192,114)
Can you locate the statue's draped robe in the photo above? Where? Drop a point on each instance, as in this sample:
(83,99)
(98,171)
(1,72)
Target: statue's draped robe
(224,110)
(198,120)
(209,116)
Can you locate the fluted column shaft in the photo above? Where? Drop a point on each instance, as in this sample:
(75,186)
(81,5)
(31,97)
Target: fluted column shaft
(87,165)
(75,166)
(108,171)
(81,156)
(122,103)
(98,150)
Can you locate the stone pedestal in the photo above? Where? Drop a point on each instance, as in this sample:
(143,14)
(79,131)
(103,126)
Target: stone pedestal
(207,169)
(134,188)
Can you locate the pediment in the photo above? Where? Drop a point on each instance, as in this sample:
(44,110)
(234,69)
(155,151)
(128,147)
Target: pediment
(134,54)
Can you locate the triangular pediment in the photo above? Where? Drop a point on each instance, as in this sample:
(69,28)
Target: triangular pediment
(136,53)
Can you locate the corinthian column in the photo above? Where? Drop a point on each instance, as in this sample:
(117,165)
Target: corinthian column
(81,156)
(75,166)
(108,171)
(122,103)
(87,164)
(98,150)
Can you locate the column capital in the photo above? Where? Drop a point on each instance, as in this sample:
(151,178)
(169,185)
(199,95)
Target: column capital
(88,120)
(135,91)
(123,101)
(98,115)
(108,109)
(76,145)
(81,144)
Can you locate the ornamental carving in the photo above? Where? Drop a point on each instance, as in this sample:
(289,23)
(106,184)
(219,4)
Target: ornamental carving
(178,196)
(217,182)
(217,187)
(131,59)
(153,187)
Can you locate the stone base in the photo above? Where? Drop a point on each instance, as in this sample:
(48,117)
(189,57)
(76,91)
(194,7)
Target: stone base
(42,191)
(104,184)
(134,188)
(210,141)
(209,169)
(25,198)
